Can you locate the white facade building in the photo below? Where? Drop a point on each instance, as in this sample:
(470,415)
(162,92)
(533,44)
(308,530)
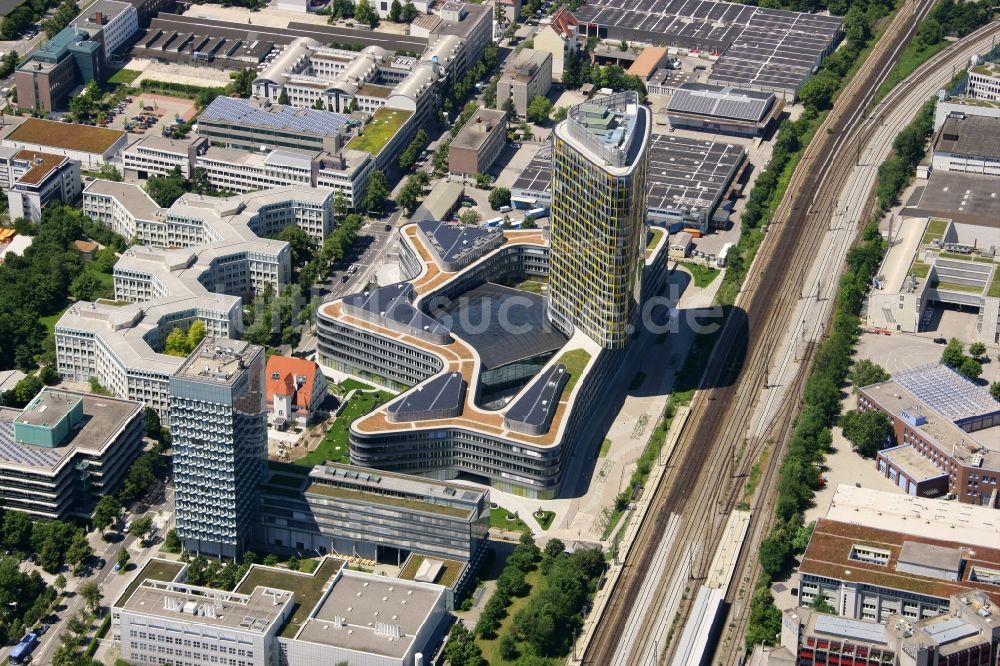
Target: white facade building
(116,21)
(217,257)
(32,179)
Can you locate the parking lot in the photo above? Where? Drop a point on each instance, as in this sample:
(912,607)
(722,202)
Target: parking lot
(149,114)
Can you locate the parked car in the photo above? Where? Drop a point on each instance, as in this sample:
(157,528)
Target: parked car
(388,227)
(940,341)
(101,563)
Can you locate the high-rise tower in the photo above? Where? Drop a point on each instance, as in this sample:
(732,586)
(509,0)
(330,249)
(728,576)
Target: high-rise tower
(219,428)
(597,237)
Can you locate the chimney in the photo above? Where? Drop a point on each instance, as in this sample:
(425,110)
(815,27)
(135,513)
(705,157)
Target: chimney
(99,18)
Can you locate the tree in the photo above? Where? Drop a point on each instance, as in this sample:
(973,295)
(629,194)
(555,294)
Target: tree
(365,13)
(508,646)
(559,113)
(953,353)
(818,92)
(271,560)
(242,82)
(409,156)
(91,594)
(470,216)
(555,548)
(930,32)
(970,368)
(195,334)
(461,648)
(293,563)
(171,542)
(539,109)
(395,11)
(995,390)
(408,195)
(106,512)
(377,190)
(86,287)
(283,98)
(122,559)
(16,532)
(499,197)
(772,555)
(866,373)
(176,344)
(49,375)
(302,244)
(821,605)
(867,431)
(165,190)
(977,349)
(141,528)
(409,12)
(8,64)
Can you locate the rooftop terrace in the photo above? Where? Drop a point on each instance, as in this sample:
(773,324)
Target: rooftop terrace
(384,124)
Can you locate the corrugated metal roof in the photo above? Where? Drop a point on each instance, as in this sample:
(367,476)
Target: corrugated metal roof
(720,101)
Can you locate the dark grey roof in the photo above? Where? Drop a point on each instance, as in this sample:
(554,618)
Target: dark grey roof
(690,173)
(963,197)
(682,172)
(768,48)
(721,102)
(453,242)
(321,33)
(393,303)
(971,136)
(502,324)
(440,397)
(533,411)
(7,6)
(537,175)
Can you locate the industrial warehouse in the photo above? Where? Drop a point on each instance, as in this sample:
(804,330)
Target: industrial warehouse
(758,48)
(688,180)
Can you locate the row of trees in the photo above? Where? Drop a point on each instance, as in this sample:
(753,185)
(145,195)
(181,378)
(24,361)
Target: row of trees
(544,627)
(909,148)
(811,440)
(402,13)
(334,248)
(24,598)
(412,190)
(412,152)
(463,89)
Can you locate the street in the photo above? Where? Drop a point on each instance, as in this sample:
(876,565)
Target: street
(112,584)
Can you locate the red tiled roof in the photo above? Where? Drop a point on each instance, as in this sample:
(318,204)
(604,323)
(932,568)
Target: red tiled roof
(280,379)
(562,21)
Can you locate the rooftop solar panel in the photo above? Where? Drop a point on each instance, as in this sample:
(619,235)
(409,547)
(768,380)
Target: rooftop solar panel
(720,101)
(238,111)
(946,392)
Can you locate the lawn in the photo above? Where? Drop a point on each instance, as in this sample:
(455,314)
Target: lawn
(446,577)
(532,285)
(703,275)
(575,361)
(954,286)
(605,448)
(351,384)
(50,321)
(156,570)
(654,237)
(994,291)
(545,518)
(915,54)
(334,445)
(935,230)
(124,76)
(491,648)
(498,519)
(68,136)
(305,588)
(920,269)
(376,134)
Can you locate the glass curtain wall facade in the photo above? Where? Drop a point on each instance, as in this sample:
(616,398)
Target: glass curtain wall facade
(220,444)
(597,235)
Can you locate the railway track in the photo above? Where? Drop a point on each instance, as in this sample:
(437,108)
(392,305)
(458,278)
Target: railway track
(874,138)
(701,484)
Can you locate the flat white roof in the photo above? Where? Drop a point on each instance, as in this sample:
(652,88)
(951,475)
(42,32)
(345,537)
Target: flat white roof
(917,516)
